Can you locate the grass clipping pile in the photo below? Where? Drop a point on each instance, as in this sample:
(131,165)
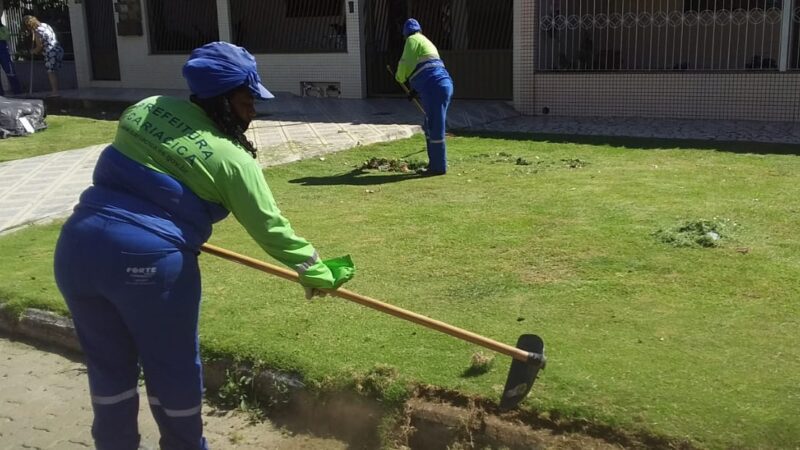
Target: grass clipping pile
(393,165)
(698,233)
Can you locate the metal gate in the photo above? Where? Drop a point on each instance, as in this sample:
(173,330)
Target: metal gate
(474,38)
(102,39)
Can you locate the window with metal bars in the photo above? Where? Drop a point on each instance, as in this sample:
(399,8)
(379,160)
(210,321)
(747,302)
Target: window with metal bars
(652,35)
(180,26)
(730,5)
(289,26)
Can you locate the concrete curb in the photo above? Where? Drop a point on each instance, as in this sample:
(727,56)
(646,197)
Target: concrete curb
(347,415)
(41,326)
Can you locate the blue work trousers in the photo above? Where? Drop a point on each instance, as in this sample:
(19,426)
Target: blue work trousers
(435,89)
(135,299)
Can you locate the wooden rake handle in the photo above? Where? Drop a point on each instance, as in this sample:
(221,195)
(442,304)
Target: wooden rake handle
(402,85)
(410,316)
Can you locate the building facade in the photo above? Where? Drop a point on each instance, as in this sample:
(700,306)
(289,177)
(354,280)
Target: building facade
(704,59)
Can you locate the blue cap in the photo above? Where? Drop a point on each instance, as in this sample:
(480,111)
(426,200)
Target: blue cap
(219,67)
(410,27)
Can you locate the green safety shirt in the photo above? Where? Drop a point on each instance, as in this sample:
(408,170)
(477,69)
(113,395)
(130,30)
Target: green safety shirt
(177,138)
(3,33)
(418,49)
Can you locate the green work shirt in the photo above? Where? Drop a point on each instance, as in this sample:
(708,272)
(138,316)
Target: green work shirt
(417,49)
(176,137)
(3,33)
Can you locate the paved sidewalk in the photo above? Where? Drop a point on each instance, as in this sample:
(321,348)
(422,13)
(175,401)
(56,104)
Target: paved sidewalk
(706,130)
(44,187)
(44,404)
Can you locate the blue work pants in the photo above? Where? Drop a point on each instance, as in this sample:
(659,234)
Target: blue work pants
(134,299)
(435,89)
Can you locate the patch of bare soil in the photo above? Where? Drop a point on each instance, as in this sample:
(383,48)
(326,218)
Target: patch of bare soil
(437,418)
(432,418)
(440,425)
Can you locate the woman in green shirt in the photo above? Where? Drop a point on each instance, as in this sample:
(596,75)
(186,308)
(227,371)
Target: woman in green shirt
(126,260)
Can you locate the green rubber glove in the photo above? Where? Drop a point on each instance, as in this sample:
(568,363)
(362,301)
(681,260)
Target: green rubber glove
(342,269)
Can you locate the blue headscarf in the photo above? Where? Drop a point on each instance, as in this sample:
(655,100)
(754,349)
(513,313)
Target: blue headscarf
(410,27)
(219,67)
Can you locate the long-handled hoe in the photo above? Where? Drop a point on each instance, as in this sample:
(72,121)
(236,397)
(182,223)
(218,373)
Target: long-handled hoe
(407,91)
(528,354)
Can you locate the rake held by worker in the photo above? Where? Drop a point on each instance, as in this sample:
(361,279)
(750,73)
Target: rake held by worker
(528,355)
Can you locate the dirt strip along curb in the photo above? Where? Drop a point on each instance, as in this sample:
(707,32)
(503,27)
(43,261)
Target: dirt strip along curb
(423,424)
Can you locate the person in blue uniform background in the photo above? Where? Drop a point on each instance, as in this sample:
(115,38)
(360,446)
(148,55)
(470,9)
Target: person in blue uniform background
(424,70)
(7,64)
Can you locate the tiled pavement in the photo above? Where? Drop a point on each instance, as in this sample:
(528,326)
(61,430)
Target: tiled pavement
(708,130)
(43,187)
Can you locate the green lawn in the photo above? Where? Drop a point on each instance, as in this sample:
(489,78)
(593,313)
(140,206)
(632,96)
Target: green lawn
(62,133)
(686,342)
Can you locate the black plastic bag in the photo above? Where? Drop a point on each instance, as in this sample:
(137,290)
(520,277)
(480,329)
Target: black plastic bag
(14,113)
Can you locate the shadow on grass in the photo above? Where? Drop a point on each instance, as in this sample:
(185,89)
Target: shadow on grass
(760,148)
(356,177)
(422,150)
(474,371)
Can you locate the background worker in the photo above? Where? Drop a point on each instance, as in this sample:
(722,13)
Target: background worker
(7,64)
(46,42)
(421,66)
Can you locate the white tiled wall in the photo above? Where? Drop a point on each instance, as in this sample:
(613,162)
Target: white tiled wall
(524,40)
(769,96)
(279,72)
(80,43)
